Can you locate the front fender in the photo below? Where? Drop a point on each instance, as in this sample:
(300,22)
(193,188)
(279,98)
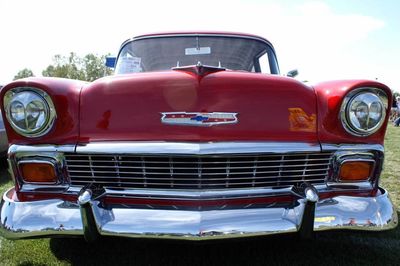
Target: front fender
(330,96)
(65,95)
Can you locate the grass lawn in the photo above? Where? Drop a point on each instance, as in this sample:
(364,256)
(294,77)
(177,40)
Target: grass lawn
(331,248)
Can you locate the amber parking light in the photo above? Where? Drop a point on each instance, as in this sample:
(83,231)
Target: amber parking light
(356,170)
(38,172)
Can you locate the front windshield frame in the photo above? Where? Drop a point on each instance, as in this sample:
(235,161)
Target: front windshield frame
(272,59)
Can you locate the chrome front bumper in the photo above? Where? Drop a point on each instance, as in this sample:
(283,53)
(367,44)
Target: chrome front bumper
(47,218)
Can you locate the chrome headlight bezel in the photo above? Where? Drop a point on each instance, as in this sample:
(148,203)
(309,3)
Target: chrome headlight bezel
(50,111)
(348,125)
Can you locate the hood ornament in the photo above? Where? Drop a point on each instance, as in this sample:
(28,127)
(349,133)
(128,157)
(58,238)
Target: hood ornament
(198,118)
(200,70)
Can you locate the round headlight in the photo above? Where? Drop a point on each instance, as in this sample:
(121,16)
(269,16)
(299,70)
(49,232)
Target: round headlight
(363,111)
(29,111)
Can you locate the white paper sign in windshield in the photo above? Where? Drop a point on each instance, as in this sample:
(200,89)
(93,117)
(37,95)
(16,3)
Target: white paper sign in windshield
(199,50)
(130,65)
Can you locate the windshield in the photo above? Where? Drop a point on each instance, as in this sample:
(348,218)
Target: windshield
(164,53)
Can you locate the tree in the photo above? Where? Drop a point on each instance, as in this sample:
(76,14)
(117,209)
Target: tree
(95,67)
(24,73)
(88,68)
(65,67)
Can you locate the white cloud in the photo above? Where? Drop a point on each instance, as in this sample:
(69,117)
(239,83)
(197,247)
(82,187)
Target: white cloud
(319,41)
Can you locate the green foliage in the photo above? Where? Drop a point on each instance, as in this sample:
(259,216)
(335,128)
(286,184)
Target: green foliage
(390,178)
(94,67)
(24,73)
(88,68)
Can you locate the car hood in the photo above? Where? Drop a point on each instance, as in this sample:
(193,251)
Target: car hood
(130,107)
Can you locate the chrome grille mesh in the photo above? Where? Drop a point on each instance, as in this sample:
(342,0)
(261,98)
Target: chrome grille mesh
(197,172)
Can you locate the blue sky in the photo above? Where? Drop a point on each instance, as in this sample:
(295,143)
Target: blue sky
(324,39)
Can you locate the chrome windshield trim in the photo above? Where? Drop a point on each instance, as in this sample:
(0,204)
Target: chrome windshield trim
(227,35)
(216,34)
(203,148)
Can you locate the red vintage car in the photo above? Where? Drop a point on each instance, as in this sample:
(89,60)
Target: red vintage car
(196,136)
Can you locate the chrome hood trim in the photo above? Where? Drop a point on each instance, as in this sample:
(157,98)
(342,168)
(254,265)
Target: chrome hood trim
(195,148)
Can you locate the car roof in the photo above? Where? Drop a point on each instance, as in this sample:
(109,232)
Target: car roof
(199,33)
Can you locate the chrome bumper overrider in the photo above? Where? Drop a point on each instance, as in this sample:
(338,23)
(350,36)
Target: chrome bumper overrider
(54,217)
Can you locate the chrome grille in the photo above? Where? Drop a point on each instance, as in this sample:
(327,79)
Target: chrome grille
(197,172)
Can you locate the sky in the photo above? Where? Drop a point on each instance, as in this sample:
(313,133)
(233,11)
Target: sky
(324,40)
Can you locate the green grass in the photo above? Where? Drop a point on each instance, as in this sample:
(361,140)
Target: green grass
(391,174)
(5,181)
(330,248)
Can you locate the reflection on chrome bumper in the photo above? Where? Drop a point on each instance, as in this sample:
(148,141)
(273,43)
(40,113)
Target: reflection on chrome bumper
(48,218)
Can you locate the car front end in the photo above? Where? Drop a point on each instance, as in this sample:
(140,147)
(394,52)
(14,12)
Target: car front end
(209,149)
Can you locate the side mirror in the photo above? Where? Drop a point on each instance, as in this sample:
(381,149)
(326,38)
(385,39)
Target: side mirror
(292,73)
(110,61)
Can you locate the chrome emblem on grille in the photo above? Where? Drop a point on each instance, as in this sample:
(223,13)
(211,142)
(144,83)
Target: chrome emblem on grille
(198,119)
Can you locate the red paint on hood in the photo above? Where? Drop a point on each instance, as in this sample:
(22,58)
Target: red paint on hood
(129,107)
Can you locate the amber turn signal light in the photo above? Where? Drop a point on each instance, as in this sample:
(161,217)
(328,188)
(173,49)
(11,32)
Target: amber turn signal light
(38,172)
(355,170)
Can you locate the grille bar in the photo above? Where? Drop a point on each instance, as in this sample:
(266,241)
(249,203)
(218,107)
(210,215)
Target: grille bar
(217,162)
(207,168)
(198,172)
(210,184)
(302,177)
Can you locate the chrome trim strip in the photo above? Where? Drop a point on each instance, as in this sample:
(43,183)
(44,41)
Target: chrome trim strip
(194,194)
(30,187)
(173,147)
(350,185)
(222,194)
(352,147)
(51,218)
(195,148)
(39,149)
